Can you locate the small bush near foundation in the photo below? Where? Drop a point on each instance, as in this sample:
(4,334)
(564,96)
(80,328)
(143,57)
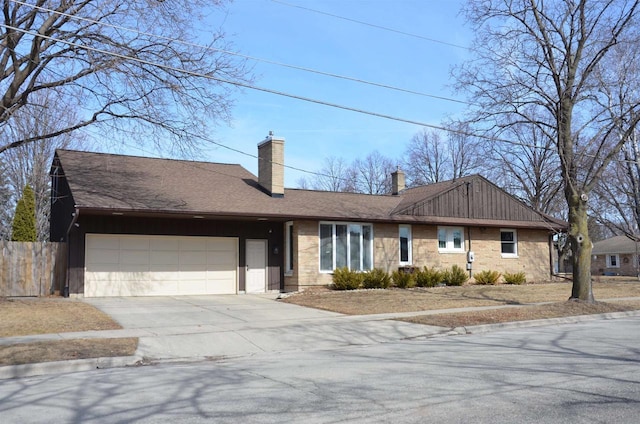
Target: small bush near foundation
(402,280)
(376,279)
(515,278)
(344,279)
(455,276)
(428,277)
(487,277)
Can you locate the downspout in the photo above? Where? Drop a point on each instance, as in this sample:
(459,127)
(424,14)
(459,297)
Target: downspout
(469,263)
(75,215)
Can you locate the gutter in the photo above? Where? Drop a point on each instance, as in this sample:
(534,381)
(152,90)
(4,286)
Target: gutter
(74,220)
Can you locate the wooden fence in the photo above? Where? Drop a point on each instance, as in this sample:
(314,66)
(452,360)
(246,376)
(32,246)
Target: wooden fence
(32,269)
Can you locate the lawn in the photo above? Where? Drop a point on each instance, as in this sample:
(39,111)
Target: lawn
(362,302)
(29,316)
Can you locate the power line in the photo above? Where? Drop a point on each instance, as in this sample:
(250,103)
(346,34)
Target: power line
(242,84)
(433,40)
(253,58)
(277,92)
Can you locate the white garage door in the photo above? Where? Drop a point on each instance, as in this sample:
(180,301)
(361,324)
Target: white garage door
(136,265)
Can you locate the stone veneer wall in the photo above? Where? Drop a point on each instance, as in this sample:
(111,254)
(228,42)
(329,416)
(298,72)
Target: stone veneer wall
(533,252)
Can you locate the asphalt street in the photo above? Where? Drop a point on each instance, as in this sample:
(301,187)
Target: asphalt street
(572,373)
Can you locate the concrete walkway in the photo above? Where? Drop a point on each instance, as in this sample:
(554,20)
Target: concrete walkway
(191,328)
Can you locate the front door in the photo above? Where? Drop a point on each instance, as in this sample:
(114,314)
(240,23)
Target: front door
(256,275)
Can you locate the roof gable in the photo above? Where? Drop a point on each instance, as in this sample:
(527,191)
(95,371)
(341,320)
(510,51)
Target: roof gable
(472,197)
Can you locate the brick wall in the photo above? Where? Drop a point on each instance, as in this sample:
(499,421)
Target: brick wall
(532,259)
(627,265)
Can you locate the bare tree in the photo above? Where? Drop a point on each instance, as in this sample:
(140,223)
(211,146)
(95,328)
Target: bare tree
(6,211)
(528,168)
(618,192)
(426,159)
(373,174)
(335,175)
(535,64)
(463,150)
(30,163)
(126,62)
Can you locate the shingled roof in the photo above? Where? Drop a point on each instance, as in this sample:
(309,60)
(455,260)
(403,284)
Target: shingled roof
(130,184)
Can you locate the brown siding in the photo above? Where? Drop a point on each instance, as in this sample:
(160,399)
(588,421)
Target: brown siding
(477,200)
(273,232)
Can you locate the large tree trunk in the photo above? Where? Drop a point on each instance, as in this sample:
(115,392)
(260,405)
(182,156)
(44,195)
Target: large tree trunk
(580,248)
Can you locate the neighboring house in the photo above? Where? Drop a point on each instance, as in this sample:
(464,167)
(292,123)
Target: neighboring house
(143,226)
(615,256)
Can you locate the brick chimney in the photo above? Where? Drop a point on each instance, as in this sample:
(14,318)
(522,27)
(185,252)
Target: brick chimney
(397,182)
(271,165)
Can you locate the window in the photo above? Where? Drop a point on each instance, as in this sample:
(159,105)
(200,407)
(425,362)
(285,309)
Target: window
(349,245)
(613,261)
(508,243)
(405,244)
(450,239)
(289,247)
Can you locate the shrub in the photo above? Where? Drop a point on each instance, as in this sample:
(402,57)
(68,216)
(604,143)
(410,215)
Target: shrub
(487,277)
(24,220)
(376,279)
(402,280)
(515,278)
(344,279)
(428,277)
(455,276)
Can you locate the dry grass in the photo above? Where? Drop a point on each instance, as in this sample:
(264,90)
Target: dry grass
(64,350)
(420,299)
(26,316)
(525,313)
(29,316)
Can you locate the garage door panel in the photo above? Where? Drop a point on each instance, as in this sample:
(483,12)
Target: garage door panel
(95,256)
(134,257)
(195,244)
(224,258)
(160,243)
(103,242)
(163,258)
(128,265)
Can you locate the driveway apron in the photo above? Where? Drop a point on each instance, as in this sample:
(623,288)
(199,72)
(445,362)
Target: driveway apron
(211,327)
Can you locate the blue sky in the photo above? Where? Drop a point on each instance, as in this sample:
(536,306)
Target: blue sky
(277,32)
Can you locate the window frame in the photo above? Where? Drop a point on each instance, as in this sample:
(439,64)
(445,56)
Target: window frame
(288,250)
(608,259)
(514,242)
(450,240)
(362,249)
(409,260)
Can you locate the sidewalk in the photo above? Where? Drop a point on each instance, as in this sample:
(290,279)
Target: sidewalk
(234,339)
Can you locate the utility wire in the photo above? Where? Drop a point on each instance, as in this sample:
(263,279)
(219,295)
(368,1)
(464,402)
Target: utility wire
(250,86)
(280,93)
(253,58)
(433,40)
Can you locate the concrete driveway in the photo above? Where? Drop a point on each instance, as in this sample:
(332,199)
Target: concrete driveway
(201,327)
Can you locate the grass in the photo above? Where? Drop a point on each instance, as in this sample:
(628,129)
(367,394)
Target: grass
(30,316)
(364,302)
(64,350)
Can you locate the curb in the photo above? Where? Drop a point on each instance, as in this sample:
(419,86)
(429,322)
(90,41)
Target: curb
(63,367)
(486,328)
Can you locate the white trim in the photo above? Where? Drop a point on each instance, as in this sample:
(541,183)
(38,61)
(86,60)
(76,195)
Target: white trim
(515,243)
(617,260)
(333,244)
(449,240)
(409,245)
(288,249)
